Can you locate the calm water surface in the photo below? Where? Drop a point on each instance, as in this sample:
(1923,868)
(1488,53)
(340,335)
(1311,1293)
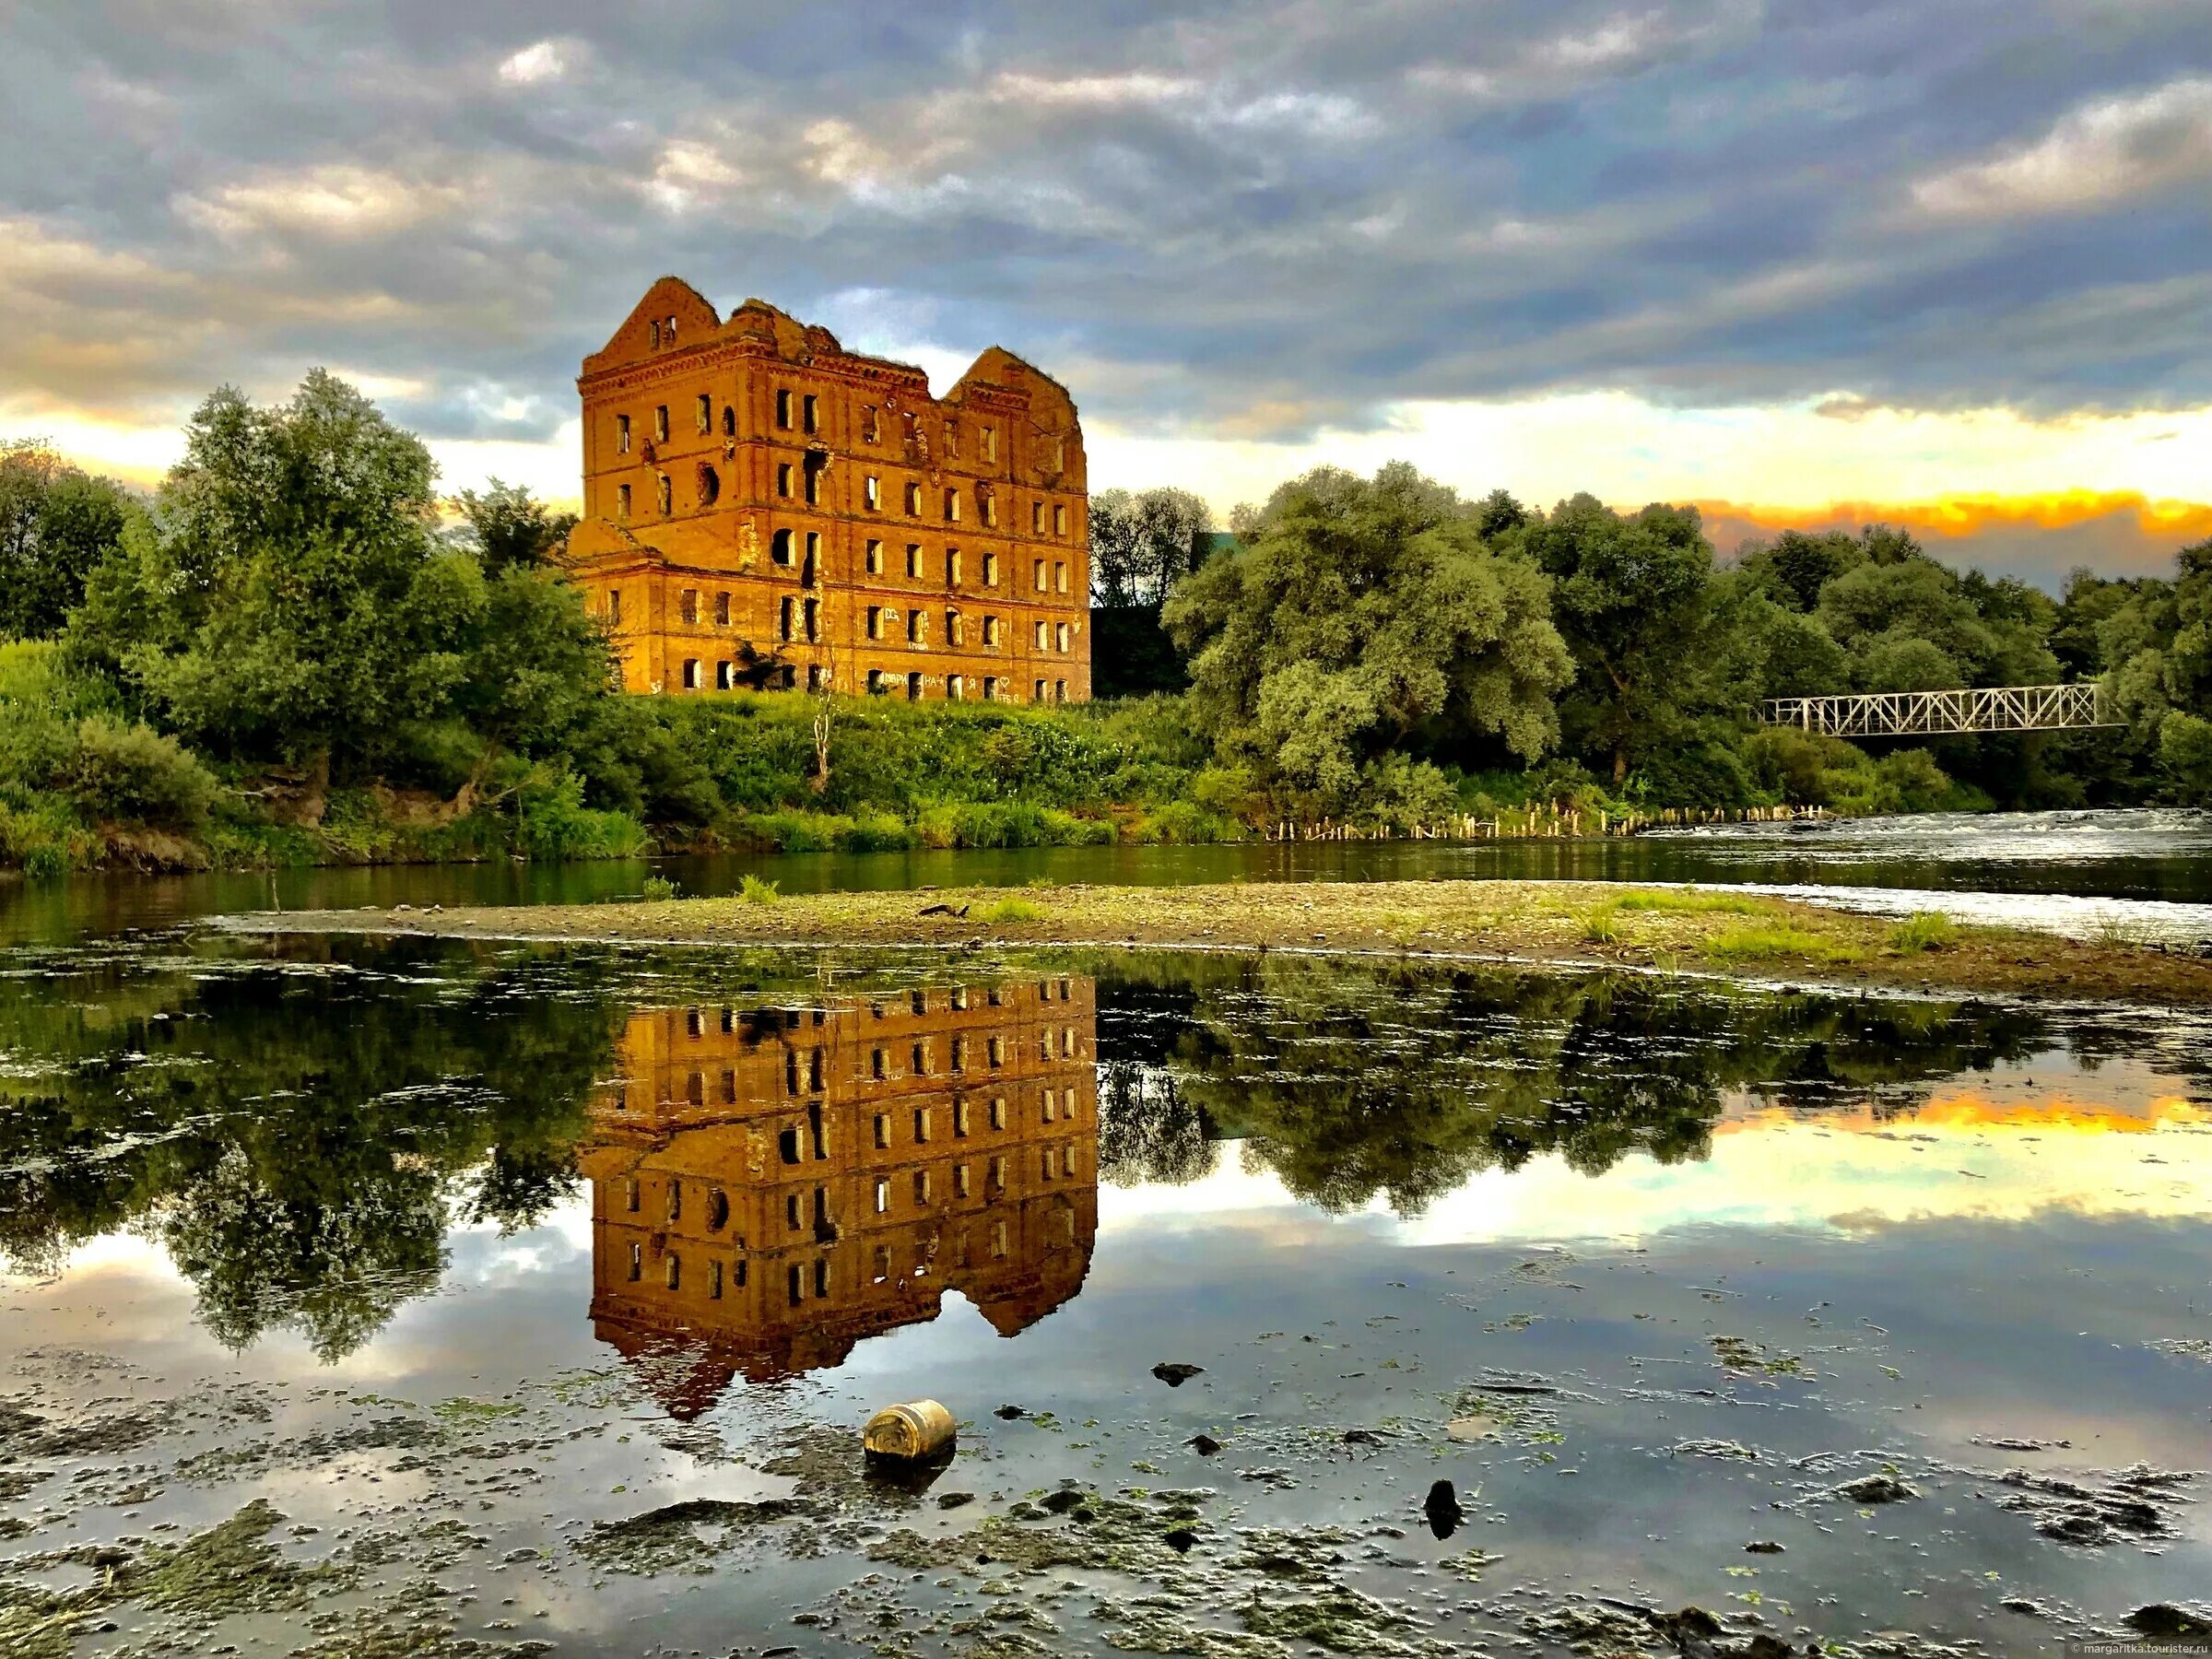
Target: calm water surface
(410,1298)
(2147,871)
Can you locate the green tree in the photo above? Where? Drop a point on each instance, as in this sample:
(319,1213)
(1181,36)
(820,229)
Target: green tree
(56,524)
(1632,597)
(1360,616)
(295,604)
(510,528)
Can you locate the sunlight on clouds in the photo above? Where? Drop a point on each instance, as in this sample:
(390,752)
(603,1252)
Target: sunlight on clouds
(2101,153)
(1627,451)
(335,201)
(546,61)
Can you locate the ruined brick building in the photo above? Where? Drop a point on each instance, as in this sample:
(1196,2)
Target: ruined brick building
(770,1185)
(763,507)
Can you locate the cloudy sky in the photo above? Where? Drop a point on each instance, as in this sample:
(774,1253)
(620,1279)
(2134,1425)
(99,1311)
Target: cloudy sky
(1799,261)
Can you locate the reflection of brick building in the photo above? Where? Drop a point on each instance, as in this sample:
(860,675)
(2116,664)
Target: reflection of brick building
(761,503)
(770,1185)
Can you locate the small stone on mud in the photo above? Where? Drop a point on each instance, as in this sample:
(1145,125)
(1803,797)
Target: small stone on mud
(1763,1547)
(2163,1621)
(1205,1445)
(1362,1437)
(1011,1412)
(1176,1373)
(1061,1501)
(1443,1509)
(1876,1489)
(1180,1539)
(954,1499)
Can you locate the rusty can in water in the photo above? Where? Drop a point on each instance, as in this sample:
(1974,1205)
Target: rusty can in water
(919,1431)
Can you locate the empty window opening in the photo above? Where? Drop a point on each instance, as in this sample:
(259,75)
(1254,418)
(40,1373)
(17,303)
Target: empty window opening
(709,484)
(913,561)
(784,409)
(990,443)
(722,609)
(621,500)
(687,605)
(990,687)
(922,1117)
(1040,583)
(956,687)
(787,1144)
(674,1269)
(783,618)
(998,1111)
(810,416)
(1060,576)
(783,479)
(960,1181)
(871,493)
(691,674)
(990,570)
(635,1193)
(871,426)
(621,434)
(874,682)
(952,506)
(874,557)
(814,619)
(660,423)
(883,1131)
(883,1193)
(779,547)
(1059,519)
(913,688)
(714,1281)
(921,1186)
(718,1209)
(913,501)
(667,492)
(704,413)
(725,675)
(636,1263)
(816,465)
(729,420)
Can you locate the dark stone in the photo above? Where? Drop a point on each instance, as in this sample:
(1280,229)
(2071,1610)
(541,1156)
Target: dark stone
(1011,1412)
(1061,1501)
(1763,1547)
(1205,1445)
(2163,1621)
(1876,1489)
(1180,1539)
(1443,1509)
(954,1499)
(1175,1373)
(1362,1437)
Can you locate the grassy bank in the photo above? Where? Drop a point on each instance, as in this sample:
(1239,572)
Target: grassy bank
(1710,930)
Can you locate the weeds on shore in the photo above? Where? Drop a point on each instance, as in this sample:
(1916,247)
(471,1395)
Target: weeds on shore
(753,890)
(1923,930)
(1693,900)
(1012,910)
(1760,942)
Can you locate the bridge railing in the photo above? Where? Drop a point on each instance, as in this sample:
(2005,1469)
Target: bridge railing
(1932,713)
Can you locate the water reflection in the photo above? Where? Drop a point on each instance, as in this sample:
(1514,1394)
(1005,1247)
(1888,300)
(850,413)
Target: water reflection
(770,1185)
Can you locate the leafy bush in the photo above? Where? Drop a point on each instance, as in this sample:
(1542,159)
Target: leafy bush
(130,773)
(753,890)
(659,889)
(555,823)
(1011,910)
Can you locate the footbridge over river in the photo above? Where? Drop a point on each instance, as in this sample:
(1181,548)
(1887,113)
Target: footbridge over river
(1933,713)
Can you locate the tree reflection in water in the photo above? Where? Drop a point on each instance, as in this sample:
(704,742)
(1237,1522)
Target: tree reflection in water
(1354,1080)
(299,1136)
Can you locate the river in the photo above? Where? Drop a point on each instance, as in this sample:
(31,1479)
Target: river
(412,1297)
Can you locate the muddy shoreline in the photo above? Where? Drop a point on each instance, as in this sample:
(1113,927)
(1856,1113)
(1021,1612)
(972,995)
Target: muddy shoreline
(1704,931)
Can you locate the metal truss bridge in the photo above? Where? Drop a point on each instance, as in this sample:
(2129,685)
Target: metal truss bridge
(1931,714)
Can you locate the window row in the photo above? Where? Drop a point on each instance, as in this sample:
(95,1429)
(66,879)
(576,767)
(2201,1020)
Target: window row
(699,1022)
(888,682)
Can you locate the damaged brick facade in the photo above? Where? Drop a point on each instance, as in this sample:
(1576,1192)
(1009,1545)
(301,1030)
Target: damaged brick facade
(763,507)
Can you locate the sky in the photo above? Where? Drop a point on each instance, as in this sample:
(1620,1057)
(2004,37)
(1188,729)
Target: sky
(1799,262)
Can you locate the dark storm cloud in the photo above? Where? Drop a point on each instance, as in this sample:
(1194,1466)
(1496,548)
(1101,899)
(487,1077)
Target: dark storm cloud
(1253,218)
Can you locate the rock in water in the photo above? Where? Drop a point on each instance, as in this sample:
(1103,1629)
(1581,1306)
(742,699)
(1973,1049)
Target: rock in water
(1444,1509)
(1175,1373)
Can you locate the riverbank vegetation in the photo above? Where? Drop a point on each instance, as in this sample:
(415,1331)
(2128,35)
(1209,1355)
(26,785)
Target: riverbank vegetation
(297,653)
